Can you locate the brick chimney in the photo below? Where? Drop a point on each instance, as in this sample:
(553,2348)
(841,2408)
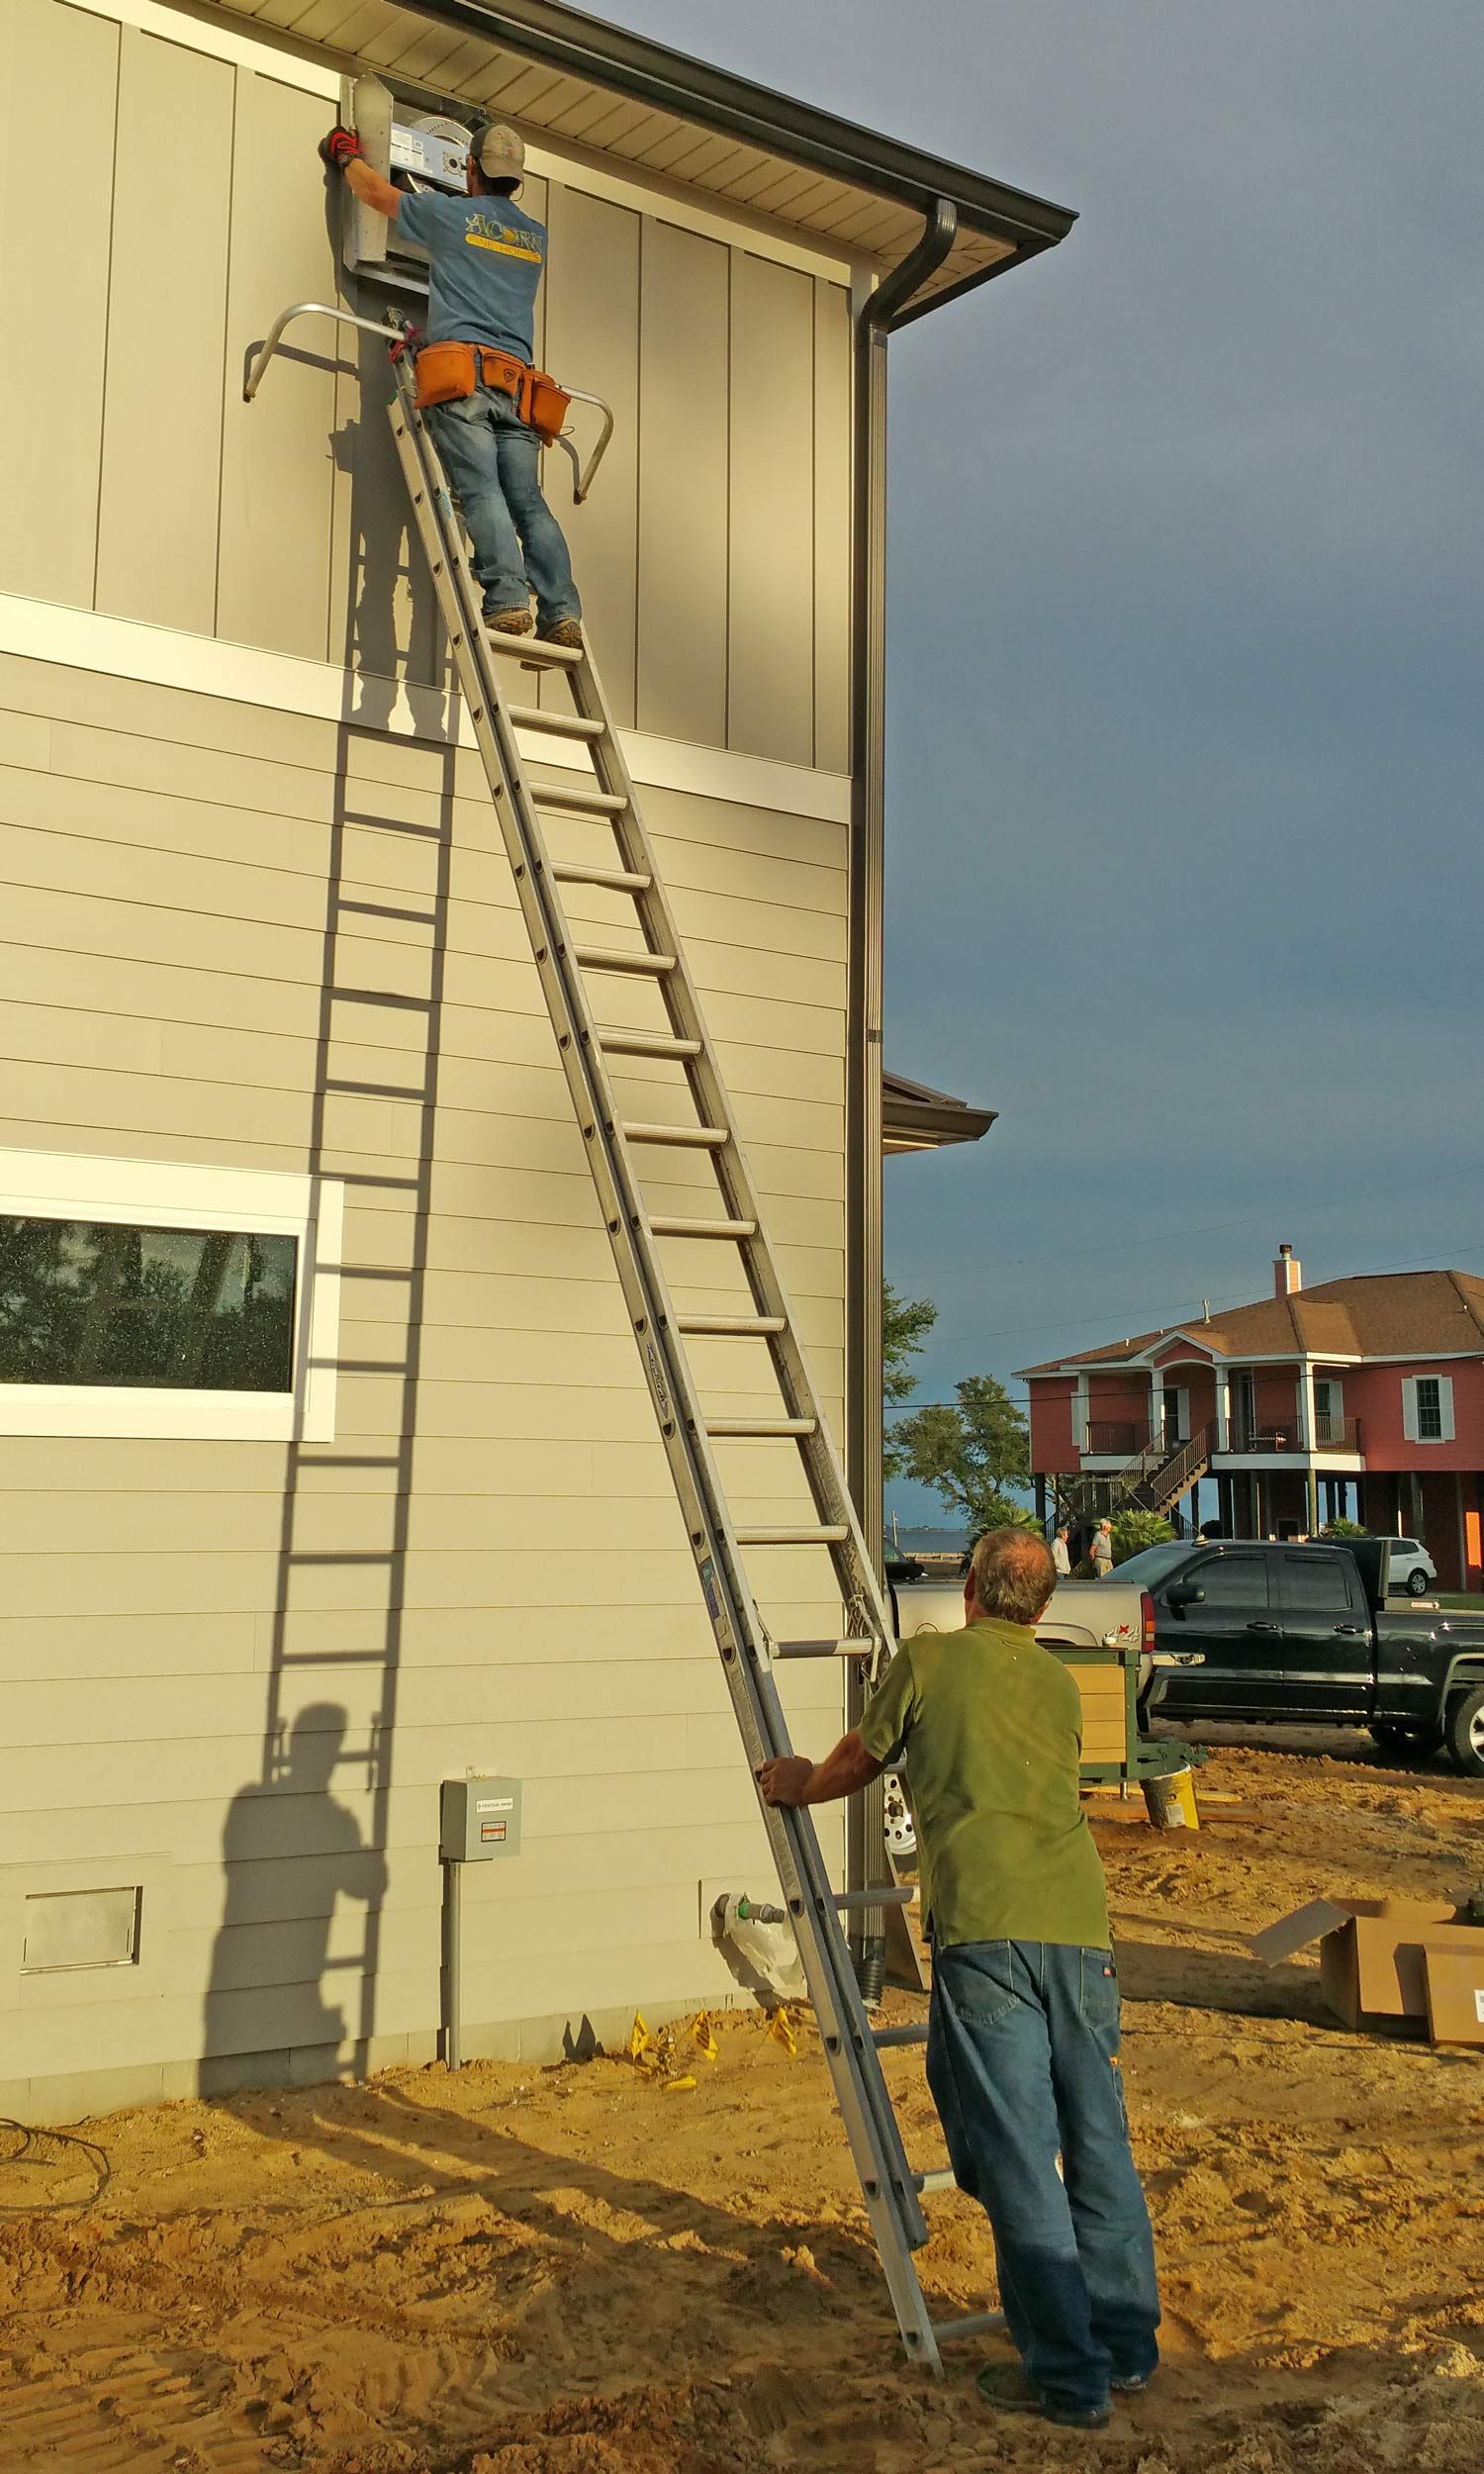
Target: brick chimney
(1287,1274)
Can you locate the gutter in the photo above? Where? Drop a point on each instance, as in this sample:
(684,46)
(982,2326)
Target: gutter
(880,311)
(572,43)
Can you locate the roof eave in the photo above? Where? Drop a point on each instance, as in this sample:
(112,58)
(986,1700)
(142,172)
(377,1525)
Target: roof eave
(573,44)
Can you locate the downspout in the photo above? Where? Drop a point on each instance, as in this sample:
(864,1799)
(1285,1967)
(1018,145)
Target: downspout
(863,1005)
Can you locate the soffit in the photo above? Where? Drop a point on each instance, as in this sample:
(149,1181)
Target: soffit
(876,216)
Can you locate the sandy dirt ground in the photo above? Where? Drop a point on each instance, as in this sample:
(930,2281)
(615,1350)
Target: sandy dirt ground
(574,2271)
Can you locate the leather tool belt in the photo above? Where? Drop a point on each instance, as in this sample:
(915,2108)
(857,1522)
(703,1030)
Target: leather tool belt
(447,372)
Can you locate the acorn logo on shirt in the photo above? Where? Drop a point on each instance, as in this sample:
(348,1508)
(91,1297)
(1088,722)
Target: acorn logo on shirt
(480,232)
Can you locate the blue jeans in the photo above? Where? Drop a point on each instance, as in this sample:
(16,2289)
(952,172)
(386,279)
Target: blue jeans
(493,460)
(1021,2060)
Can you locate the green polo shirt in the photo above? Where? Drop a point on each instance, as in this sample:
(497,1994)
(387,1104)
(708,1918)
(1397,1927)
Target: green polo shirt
(992,1725)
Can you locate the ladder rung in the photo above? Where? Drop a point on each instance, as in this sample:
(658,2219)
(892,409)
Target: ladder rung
(942,2178)
(599,958)
(762,1427)
(916,2034)
(531,651)
(610,879)
(832,1533)
(556,726)
(386,910)
(646,1044)
(579,802)
(977,2323)
(732,1326)
(823,1648)
(683,1137)
(738,1229)
(860,1902)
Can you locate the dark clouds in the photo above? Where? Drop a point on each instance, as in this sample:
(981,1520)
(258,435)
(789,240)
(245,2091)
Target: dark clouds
(1186,737)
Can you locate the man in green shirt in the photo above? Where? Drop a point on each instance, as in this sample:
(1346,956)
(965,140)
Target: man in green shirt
(1023,2030)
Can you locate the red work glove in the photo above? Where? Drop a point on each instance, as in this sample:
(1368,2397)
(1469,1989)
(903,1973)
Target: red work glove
(340,148)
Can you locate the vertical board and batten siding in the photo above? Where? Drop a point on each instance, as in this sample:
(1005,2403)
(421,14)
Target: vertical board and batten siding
(771,598)
(54,255)
(167,859)
(161,473)
(714,552)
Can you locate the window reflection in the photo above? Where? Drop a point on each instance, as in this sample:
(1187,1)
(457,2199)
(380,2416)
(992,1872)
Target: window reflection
(85,1301)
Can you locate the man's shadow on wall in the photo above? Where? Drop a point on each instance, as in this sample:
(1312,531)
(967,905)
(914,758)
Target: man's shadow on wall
(290,1853)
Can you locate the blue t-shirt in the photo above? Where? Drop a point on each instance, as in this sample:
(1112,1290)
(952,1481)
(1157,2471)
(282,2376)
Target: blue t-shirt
(487,255)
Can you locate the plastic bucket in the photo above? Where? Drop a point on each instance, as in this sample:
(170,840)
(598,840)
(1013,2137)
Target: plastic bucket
(1171,1801)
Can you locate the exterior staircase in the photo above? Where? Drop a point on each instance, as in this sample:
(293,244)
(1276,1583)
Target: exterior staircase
(1152,1482)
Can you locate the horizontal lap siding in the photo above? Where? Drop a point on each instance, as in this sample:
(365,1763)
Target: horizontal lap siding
(167,860)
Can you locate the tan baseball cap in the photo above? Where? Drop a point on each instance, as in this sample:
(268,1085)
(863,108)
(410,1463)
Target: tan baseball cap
(500,153)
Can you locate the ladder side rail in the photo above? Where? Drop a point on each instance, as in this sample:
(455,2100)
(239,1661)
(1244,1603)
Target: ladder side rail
(794,1844)
(861,1590)
(666,1365)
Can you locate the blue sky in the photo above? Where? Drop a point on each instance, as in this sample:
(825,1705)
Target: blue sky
(1184,716)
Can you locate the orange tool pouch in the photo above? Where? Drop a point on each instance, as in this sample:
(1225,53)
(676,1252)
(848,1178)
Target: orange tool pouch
(447,372)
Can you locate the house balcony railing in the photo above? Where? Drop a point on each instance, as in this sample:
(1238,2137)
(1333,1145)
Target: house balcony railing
(1121,1436)
(1331,1434)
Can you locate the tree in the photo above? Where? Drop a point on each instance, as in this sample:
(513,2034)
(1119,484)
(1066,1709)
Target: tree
(905,1324)
(1134,1531)
(970,1451)
(1343,1529)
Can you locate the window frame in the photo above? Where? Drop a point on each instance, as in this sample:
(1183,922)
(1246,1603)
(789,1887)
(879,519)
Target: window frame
(172,1194)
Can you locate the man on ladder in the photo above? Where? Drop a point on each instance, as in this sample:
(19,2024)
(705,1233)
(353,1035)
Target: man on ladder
(476,376)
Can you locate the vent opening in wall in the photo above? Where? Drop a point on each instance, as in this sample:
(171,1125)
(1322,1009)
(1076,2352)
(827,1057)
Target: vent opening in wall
(81,1929)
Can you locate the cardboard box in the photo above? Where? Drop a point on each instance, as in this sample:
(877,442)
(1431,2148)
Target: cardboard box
(1455,1987)
(1375,1955)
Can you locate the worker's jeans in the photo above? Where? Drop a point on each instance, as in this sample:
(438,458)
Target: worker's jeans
(1022,2061)
(493,461)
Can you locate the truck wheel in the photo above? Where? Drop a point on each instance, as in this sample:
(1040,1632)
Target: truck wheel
(1420,1741)
(1416,1583)
(1465,1733)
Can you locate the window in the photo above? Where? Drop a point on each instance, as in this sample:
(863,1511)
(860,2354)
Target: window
(144,1297)
(1315,1584)
(1329,1410)
(1427,1408)
(101,1301)
(1233,1581)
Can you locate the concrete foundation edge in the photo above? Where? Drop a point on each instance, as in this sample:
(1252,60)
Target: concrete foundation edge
(83,2095)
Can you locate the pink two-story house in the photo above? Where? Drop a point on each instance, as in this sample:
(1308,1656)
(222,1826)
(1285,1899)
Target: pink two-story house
(1360,1398)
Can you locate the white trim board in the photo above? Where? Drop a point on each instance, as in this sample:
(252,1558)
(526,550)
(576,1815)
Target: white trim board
(169,1194)
(669,201)
(201,665)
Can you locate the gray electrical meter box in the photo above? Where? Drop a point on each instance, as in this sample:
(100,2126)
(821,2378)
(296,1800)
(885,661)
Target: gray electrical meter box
(479,1817)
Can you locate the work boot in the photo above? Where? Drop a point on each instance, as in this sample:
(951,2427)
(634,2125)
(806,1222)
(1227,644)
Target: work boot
(566,632)
(1005,2387)
(508,622)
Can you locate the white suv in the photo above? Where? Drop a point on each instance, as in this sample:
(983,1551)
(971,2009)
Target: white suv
(1412,1568)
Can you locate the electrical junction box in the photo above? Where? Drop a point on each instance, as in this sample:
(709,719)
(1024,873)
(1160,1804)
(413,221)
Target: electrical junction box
(479,1819)
(429,151)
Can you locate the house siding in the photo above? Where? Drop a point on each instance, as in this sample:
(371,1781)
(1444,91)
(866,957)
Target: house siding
(516,1553)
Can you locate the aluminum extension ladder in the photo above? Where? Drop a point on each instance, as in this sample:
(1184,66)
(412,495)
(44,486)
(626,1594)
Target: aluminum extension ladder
(565,958)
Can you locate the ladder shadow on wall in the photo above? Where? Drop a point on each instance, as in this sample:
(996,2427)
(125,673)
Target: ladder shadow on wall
(293,1994)
(395,654)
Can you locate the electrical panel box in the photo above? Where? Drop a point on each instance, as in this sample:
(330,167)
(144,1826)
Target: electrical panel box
(428,152)
(477,1819)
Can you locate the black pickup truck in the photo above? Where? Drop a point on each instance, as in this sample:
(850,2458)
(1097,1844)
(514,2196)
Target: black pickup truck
(1304,1636)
